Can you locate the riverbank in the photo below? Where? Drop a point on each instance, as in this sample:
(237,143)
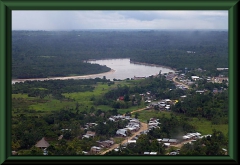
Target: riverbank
(120,69)
(147,64)
(63,78)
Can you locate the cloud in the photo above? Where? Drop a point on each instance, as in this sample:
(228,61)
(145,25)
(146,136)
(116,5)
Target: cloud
(113,19)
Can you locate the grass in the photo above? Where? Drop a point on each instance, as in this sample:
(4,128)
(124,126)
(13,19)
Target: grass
(130,109)
(40,88)
(79,96)
(205,127)
(83,98)
(52,104)
(147,114)
(104,107)
(101,88)
(86,96)
(35,103)
(19,95)
(202,126)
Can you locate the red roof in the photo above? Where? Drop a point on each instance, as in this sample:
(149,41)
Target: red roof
(121,98)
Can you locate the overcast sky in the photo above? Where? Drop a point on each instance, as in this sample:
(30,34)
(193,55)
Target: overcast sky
(112,19)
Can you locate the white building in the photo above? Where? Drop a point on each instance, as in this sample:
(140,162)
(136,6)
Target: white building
(195,78)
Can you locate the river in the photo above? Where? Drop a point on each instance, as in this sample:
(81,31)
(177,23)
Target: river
(120,69)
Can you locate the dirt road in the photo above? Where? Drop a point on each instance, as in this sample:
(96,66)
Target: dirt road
(138,110)
(143,128)
(174,80)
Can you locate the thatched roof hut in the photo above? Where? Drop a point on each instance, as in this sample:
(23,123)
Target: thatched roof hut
(42,143)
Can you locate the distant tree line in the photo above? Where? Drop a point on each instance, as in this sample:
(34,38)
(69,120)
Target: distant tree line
(55,87)
(62,53)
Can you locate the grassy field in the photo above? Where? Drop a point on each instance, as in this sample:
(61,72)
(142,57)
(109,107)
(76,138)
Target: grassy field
(52,104)
(147,114)
(203,126)
(83,98)
(20,101)
(24,96)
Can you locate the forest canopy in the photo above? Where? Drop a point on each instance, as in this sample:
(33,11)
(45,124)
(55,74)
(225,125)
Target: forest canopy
(37,54)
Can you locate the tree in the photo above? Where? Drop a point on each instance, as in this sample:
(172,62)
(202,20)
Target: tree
(92,109)
(136,115)
(15,145)
(36,151)
(154,147)
(126,98)
(143,143)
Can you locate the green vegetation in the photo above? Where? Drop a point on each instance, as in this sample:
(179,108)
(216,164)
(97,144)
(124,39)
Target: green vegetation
(207,146)
(172,127)
(48,108)
(145,115)
(56,111)
(55,54)
(202,125)
(206,127)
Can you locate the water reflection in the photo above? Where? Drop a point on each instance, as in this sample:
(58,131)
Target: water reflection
(125,69)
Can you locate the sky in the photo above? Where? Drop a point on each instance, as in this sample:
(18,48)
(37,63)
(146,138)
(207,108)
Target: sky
(114,19)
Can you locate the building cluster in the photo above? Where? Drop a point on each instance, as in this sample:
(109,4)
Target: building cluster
(153,123)
(161,105)
(184,81)
(170,76)
(90,125)
(189,136)
(192,137)
(89,134)
(133,126)
(100,145)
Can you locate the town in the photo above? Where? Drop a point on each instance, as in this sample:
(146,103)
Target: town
(131,128)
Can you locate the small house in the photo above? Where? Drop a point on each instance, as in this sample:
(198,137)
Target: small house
(164,140)
(95,150)
(121,132)
(173,141)
(153,153)
(42,144)
(195,78)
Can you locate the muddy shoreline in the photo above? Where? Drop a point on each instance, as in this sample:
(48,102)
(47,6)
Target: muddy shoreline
(63,78)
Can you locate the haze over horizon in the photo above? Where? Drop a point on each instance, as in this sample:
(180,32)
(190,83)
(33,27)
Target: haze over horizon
(120,20)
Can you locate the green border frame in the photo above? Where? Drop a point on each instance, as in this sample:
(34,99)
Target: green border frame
(6,6)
